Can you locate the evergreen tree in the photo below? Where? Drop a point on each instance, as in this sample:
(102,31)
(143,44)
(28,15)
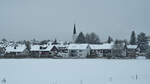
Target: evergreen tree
(133,38)
(80,38)
(92,38)
(109,39)
(28,45)
(87,37)
(148,53)
(142,42)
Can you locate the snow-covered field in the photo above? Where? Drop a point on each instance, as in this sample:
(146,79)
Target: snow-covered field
(71,71)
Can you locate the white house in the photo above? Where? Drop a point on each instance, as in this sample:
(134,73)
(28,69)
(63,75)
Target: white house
(35,50)
(79,50)
(101,50)
(47,50)
(17,50)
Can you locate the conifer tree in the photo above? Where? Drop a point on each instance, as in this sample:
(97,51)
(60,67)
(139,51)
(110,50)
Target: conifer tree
(87,37)
(92,38)
(142,42)
(148,53)
(133,38)
(80,38)
(109,39)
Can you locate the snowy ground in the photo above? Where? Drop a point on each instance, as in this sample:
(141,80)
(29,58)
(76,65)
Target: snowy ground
(71,71)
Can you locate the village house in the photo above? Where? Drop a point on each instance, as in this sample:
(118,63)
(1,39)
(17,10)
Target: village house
(35,51)
(48,51)
(131,51)
(43,51)
(100,50)
(79,50)
(17,51)
(62,50)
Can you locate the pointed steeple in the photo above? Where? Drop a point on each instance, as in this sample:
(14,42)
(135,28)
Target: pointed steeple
(74,36)
(74,30)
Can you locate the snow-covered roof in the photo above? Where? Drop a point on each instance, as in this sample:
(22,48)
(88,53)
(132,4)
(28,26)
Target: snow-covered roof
(61,45)
(101,46)
(47,48)
(78,46)
(132,46)
(19,48)
(35,48)
(1,45)
(44,47)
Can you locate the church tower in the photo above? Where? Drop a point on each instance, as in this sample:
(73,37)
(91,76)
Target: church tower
(74,36)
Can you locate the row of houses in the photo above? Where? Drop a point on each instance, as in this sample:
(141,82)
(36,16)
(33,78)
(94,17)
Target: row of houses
(37,51)
(67,51)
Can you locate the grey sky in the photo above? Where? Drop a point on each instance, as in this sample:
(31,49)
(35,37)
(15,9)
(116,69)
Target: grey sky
(49,19)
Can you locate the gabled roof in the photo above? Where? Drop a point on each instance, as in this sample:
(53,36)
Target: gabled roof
(78,46)
(101,46)
(48,48)
(132,46)
(19,48)
(41,47)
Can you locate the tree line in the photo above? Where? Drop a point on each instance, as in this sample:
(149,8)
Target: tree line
(91,38)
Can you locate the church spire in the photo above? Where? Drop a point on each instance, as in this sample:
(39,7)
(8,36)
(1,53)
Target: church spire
(74,30)
(74,36)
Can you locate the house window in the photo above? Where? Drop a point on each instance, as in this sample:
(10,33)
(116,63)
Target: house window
(101,51)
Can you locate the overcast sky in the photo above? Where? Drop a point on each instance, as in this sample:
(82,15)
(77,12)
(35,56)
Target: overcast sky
(50,19)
